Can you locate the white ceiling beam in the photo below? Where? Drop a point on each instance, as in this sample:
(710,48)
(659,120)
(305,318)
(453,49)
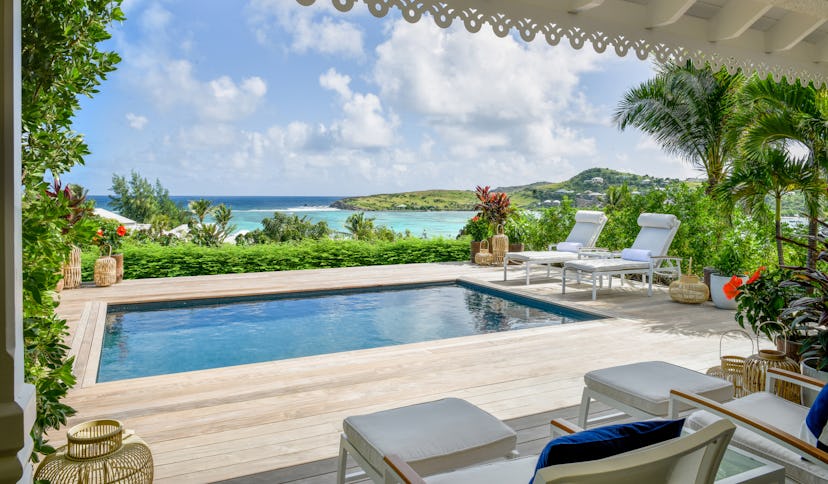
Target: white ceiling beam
(734,18)
(576,6)
(666,12)
(790,31)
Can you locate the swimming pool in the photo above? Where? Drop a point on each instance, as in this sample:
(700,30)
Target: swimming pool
(171,337)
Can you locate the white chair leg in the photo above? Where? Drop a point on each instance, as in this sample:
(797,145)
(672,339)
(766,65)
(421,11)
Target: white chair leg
(650,286)
(583,411)
(594,289)
(528,265)
(505,265)
(342,464)
(609,278)
(563,280)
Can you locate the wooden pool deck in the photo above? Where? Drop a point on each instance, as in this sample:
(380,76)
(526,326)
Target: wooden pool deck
(281,420)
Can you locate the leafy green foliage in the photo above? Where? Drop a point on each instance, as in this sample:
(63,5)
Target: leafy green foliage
(211,235)
(151,260)
(764,298)
(283,228)
(139,200)
(60,62)
(552,226)
(494,207)
(477,228)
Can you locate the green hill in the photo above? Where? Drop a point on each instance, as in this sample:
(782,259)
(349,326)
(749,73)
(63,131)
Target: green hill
(587,185)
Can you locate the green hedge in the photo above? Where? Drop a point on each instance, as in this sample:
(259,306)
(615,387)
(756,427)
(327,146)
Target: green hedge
(150,260)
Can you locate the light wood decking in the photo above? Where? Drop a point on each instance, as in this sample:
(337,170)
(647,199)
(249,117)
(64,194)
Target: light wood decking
(229,422)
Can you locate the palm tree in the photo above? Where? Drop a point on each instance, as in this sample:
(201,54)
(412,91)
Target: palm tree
(770,171)
(782,113)
(360,226)
(688,111)
(201,208)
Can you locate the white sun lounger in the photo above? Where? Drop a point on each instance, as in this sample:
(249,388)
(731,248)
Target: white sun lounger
(647,256)
(588,226)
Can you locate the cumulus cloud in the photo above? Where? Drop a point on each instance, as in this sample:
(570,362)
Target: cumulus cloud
(313,29)
(490,100)
(135,121)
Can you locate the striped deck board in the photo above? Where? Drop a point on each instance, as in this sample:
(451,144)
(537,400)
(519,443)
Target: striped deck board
(283,418)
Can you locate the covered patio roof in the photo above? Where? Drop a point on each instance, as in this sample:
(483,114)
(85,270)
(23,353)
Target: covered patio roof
(783,38)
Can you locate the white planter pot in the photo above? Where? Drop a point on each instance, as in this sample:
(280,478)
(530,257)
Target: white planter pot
(808,396)
(717,283)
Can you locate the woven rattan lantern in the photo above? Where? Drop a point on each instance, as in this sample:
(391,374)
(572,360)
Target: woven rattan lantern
(732,367)
(500,244)
(72,269)
(689,289)
(484,257)
(756,370)
(105,274)
(99,452)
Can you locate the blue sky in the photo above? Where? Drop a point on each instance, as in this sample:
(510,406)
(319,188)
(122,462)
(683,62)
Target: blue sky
(266,97)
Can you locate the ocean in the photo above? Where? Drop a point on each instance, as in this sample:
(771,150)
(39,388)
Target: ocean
(249,211)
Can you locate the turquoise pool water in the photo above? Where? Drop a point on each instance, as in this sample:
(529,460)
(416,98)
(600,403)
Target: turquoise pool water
(156,339)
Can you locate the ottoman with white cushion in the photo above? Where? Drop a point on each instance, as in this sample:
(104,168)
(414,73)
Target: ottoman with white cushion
(642,390)
(432,437)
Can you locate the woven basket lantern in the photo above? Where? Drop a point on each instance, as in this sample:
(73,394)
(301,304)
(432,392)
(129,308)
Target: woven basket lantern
(732,368)
(689,289)
(484,257)
(500,245)
(105,271)
(99,452)
(756,370)
(72,269)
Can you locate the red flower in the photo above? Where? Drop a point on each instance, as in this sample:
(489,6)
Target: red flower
(100,232)
(756,275)
(121,231)
(731,289)
(475,218)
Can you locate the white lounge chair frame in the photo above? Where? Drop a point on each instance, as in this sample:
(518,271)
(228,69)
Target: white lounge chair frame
(587,228)
(765,429)
(692,458)
(656,235)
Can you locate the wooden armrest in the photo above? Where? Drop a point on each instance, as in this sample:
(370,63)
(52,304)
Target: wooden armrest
(796,378)
(565,426)
(406,474)
(780,436)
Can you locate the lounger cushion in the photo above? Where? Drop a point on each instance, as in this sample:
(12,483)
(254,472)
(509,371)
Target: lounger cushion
(606,265)
(603,442)
(432,437)
(590,216)
(500,472)
(786,416)
(658,220)
(569,246)
(646,385)
(636,254)
(542,256)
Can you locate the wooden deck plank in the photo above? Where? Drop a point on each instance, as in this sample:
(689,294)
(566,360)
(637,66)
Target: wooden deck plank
(283,418)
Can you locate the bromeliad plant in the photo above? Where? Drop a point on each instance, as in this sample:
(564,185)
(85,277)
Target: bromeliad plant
(494,207)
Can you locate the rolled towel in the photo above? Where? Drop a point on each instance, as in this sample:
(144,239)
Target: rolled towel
(569,246)
(636,255)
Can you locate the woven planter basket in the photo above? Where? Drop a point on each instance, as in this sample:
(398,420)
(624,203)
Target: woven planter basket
(500,245)
(484,257)
(105,268)
(689,289)
(99,452)
(731,367)
(72,269)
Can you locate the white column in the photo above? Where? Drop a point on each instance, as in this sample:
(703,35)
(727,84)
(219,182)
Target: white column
(17,399)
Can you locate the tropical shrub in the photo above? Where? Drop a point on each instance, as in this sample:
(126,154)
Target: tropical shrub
(551,226)
(493,207)
(283,228)
(109,235)
(477,228)
(60,62)
(151,260)
(138,199)
(763,298)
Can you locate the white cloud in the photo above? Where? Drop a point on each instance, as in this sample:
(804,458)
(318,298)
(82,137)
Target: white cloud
(155,18)
(490,100)
(135,121)
(318,28)
(336,82)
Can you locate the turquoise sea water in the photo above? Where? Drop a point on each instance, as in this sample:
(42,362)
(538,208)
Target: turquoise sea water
(164,338)
(248,213)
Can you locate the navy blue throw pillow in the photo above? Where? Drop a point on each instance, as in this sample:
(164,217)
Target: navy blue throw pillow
(602,442)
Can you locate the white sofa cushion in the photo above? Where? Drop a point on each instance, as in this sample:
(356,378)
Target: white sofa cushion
(606,265)
(432,437)
(543,256)
(658,220)
(797,469)
(590,216)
